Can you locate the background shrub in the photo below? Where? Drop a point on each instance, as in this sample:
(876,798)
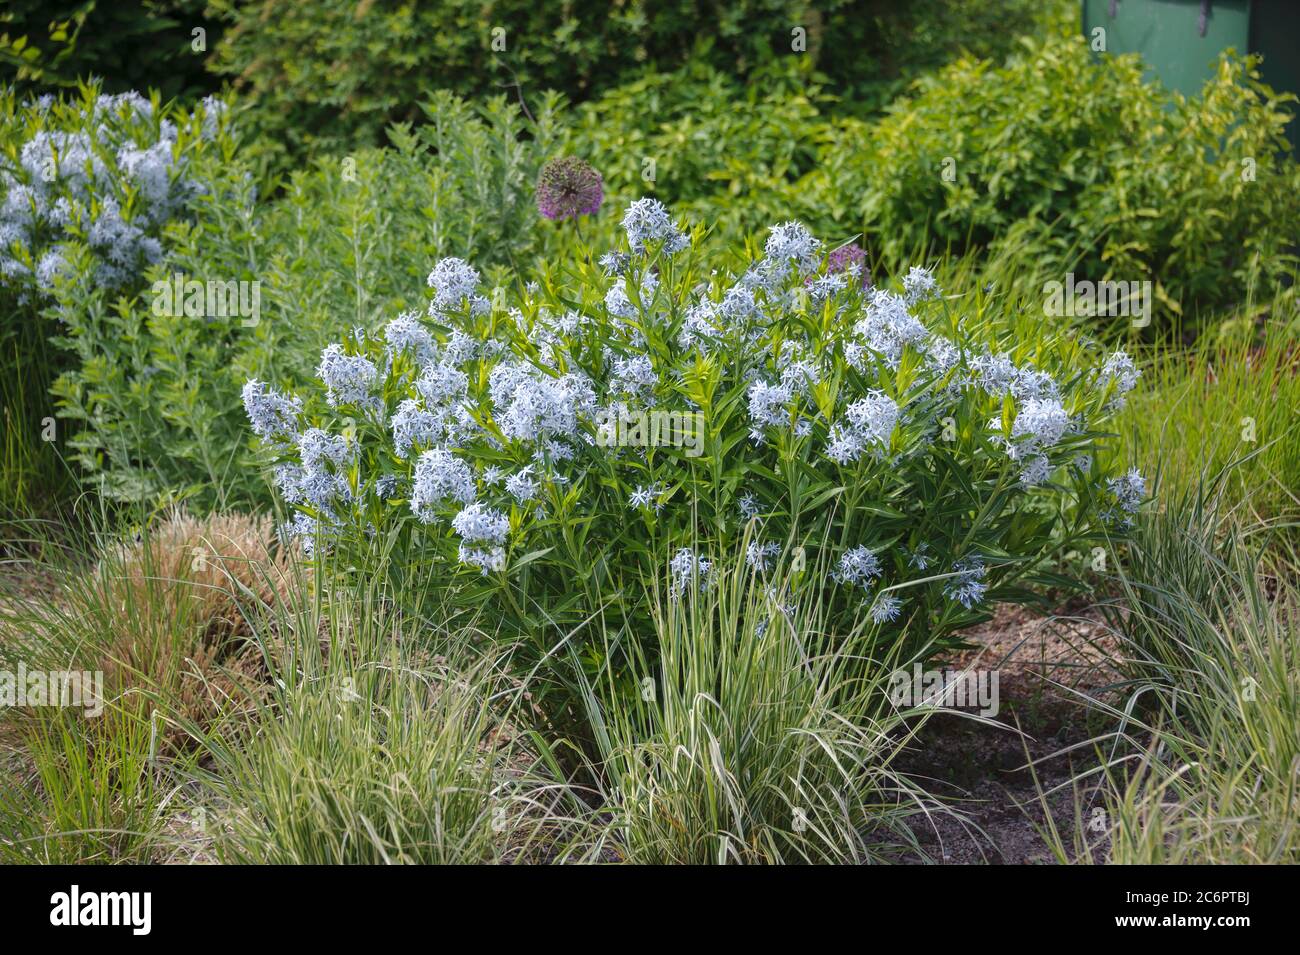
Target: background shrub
(329,76)
(717,148)
(126,44)
(1075,164)
(156,395)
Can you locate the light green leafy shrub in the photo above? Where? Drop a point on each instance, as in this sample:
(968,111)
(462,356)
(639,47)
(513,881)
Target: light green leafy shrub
(1075,164)
(718,149)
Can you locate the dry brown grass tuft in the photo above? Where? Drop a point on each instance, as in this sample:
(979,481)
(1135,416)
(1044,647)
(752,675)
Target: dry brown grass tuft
(217,568)
(187,598)
(170,620)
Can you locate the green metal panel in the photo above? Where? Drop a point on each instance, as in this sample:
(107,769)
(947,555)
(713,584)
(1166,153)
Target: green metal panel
(1168,35)
(1275,35)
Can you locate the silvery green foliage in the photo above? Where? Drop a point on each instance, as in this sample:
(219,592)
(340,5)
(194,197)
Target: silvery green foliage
(152,400)
(924,461)
(103,172)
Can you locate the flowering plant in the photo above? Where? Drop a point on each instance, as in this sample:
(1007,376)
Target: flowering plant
(152,394)
(910,456)
(568,187)
(101,172)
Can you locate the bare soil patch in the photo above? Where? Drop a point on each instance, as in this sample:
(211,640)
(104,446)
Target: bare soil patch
(1009,777)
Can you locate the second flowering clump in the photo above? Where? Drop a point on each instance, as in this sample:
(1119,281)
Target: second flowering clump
(103,173)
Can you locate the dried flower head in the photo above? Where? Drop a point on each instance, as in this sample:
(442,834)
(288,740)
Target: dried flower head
(851,258)
(569,187)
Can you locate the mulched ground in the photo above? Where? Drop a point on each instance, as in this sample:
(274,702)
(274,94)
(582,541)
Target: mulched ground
(1003,776)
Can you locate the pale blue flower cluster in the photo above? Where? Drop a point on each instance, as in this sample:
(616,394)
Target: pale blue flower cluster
(440,477)
(318,450)
(968,587)
(313,533)
(858,566)
(773,405)
(1120,372)
(941,357)
(1038,426)
(646,496)
(886,329)
(698,327)
(455,282)
(532,406)
(405,333)
(412,425)
(67,184)
(768,404)
(441,383)
(320,482)
(272,415)
(483,533)
(647,222)
(737,305)
(1128,491)
(619,303)
(614,263)
(349,379)
(995,374)
(791,244)
(1035,470)
(689,571)
(633,376)
(761,555)
(521,485)
(919,285)
(825,287)
(886,609)
(213,111)
(869,423)
(920,557)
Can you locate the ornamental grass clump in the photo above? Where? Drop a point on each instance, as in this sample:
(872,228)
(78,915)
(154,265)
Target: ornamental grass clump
(883,449)
(755,737)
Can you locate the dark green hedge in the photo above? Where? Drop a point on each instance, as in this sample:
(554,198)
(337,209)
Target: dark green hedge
(129,44)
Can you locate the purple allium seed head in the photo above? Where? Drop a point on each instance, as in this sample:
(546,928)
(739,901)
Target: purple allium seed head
(850,258)
(569,187)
